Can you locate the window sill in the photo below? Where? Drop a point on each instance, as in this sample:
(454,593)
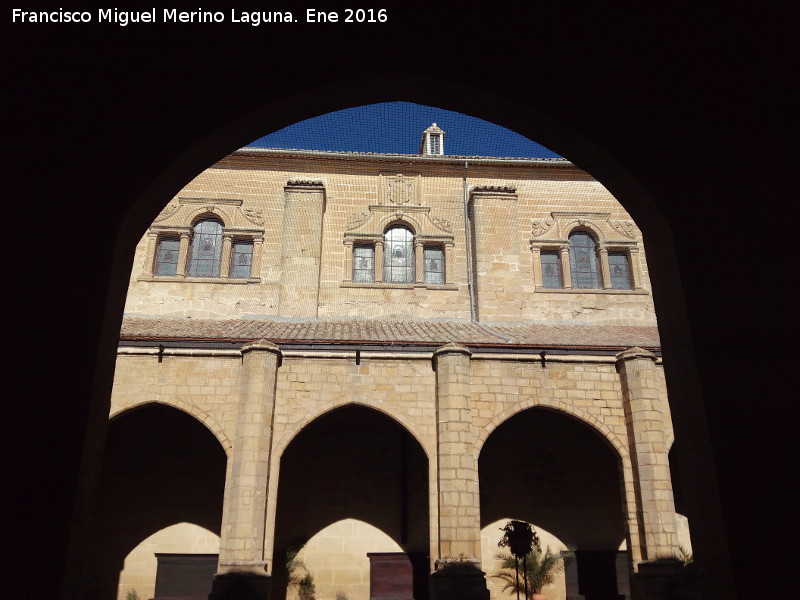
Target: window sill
(178,279)
(399,286)
(636,292)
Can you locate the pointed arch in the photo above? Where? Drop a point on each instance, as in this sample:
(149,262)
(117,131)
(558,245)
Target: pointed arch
(279,446)
(190,409)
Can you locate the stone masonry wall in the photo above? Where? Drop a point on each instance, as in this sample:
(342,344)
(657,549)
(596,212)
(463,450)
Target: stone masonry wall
(249,195)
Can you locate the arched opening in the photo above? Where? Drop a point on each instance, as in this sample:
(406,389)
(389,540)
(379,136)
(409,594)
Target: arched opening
(351,463)
(162,468)
(550,470)
(398,254)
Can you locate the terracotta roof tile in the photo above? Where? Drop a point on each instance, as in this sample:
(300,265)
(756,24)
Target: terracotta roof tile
(388,332)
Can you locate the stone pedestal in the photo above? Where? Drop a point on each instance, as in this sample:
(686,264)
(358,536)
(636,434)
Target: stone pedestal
(458,580)
(240,586)
(658,580)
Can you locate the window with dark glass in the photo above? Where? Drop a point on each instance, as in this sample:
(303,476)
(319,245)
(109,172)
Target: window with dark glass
(205,252)
(363,264)
(241,259)
(398,256)
(435,144)
(434,265)
(551,269)
(583,261)
(167,256)
(620,267)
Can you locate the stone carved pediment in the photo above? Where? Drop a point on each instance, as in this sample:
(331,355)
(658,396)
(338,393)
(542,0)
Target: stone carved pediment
(560,224)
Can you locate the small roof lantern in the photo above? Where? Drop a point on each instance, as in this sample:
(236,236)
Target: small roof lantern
(432,143)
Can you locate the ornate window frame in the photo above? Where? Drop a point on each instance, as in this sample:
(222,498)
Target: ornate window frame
(551,234)
(368,227)
(178,219)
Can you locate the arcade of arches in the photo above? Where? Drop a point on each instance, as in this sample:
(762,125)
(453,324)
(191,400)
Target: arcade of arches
(301,391)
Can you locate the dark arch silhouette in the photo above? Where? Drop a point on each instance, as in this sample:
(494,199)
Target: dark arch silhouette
(161,467)
(547,467)
(351,462)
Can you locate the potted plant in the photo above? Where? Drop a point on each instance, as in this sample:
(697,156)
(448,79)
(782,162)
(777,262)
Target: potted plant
(540,569)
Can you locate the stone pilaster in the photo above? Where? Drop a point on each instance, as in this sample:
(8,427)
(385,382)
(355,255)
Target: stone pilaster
(644,417)
(302,247)
(605,270)
(458,570)
(378,261)
(241,557)
(497,244)
(566,267)
(183,254)
(225,261)
(419,262)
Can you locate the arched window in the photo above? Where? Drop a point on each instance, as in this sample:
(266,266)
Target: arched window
(398,255)
(583,261)
(205,252)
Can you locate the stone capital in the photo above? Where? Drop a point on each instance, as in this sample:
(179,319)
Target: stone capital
(635,352)
(263,345)
(451,347)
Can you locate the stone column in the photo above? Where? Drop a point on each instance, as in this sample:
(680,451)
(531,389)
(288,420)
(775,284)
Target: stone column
(636,268)
(302,247)
(419,262)
(348,260)
(258,248)
(644,417)
(379,261)
(242,561)
(149,267)
(605,271)
(225,260)
(448,262)
(458,573)
(566,268)
(538,278)
(183,254)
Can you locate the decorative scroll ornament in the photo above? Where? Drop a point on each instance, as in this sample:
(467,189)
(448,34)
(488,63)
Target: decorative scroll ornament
(254,215)
(210,207)
(169,210)
(304,183)
(357,219)
(400,190)
(503,189)
(626,228)
(442,224)
(541,226)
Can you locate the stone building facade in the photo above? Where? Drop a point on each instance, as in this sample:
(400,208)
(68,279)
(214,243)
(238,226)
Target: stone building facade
(382,358)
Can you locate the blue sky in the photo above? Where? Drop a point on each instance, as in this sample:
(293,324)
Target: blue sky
(396,127)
